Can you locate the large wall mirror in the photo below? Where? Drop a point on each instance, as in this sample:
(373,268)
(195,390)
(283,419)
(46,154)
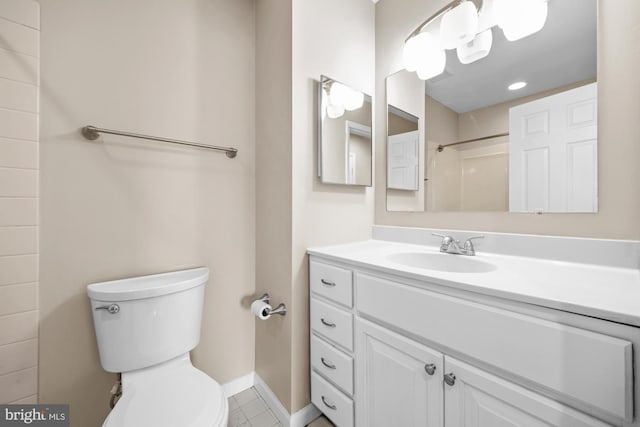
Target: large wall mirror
(514,131)
(344,134)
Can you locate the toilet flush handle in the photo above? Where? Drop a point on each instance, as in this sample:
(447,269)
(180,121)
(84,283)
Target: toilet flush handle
(111,308)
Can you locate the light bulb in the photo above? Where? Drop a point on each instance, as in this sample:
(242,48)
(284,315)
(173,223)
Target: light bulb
(520,18)
(517,85)
(477,48)
(354,100)
(414,49)
(459,25)
(335,111)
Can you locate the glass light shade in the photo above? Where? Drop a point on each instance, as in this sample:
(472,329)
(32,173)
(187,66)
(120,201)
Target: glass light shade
(476,49)
(338,94)
(520,18)
(354,100)
(432,63)
(335,111)
(414,49)
(486,15)
(459,25)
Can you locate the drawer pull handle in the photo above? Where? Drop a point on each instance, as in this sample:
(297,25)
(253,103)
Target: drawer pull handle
(329,324)
(327,283)
(430,368)
(450,379)
(328,405)
(328,365)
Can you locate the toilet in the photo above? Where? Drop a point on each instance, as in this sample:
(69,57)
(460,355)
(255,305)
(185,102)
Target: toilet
(145,328)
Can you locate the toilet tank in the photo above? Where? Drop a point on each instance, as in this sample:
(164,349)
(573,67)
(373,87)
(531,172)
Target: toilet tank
(143,321)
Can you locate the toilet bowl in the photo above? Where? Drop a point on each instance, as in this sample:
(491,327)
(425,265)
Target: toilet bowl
(145,328)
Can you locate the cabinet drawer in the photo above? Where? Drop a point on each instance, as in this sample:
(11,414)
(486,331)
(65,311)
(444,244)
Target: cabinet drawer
(332,364)
(331,282)
(335,405)
(332,322)
(590,367)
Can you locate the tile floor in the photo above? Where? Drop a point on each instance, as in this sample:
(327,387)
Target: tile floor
(248,409)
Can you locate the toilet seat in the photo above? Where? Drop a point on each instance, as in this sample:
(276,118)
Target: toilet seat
(173,394)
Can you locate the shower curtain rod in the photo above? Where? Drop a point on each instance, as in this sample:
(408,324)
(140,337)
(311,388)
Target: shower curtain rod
(92,133)
(466,141)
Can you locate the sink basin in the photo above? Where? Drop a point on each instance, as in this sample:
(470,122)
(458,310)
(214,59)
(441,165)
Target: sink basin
(442,262)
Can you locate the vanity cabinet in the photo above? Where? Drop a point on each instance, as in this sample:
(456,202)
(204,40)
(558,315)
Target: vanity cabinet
(408,353)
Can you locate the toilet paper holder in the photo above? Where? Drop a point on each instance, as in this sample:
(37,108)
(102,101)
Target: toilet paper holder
(281,309)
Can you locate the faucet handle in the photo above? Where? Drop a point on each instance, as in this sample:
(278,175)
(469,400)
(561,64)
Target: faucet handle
(445,238)
(447,241)
(468,245)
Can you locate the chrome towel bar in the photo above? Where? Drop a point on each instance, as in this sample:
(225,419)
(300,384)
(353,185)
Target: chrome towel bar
(92,133)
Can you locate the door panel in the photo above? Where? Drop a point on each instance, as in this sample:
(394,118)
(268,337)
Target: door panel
(393,386)
(553,153)
(480,399)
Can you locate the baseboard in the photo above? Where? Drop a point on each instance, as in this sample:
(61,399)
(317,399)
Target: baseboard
(304,416)
(239,384)
(298,419)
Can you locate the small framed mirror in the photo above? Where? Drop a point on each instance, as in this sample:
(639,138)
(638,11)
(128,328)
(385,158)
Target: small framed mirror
(345,149)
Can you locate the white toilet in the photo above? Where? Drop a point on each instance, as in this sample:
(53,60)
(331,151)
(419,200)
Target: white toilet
(146,327)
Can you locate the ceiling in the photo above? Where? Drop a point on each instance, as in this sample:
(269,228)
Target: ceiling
(563,52)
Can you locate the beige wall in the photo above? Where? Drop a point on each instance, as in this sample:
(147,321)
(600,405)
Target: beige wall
(120,207)
(294,210)
(323,214)
(618,127)
(273,191)
(19,62)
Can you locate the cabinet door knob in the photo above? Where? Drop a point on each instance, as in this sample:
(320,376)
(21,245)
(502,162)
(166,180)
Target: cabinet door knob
(450,379)
(328,405)
(430,368)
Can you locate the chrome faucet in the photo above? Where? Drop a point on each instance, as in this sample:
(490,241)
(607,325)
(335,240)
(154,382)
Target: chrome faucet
(449,245)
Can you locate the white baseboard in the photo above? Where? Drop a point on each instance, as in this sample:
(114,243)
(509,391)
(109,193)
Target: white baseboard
(304,416)
(239,384)
(299,419)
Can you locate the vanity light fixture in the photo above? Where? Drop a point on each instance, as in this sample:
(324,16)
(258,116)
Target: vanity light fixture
(338,98)
(517,85)
(466,25)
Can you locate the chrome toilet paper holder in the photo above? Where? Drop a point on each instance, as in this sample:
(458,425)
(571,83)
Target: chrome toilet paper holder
(281,309)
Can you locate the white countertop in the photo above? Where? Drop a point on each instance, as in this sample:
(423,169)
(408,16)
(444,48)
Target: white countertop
(604,292)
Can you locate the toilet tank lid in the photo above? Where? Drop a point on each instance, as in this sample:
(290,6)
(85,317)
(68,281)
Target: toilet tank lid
(148,286)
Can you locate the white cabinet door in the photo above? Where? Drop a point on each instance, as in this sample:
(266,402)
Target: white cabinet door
(399,382)
(403,155)
(553,146)
(479,399)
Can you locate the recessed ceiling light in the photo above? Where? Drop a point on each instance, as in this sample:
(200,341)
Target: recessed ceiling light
(517,85)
